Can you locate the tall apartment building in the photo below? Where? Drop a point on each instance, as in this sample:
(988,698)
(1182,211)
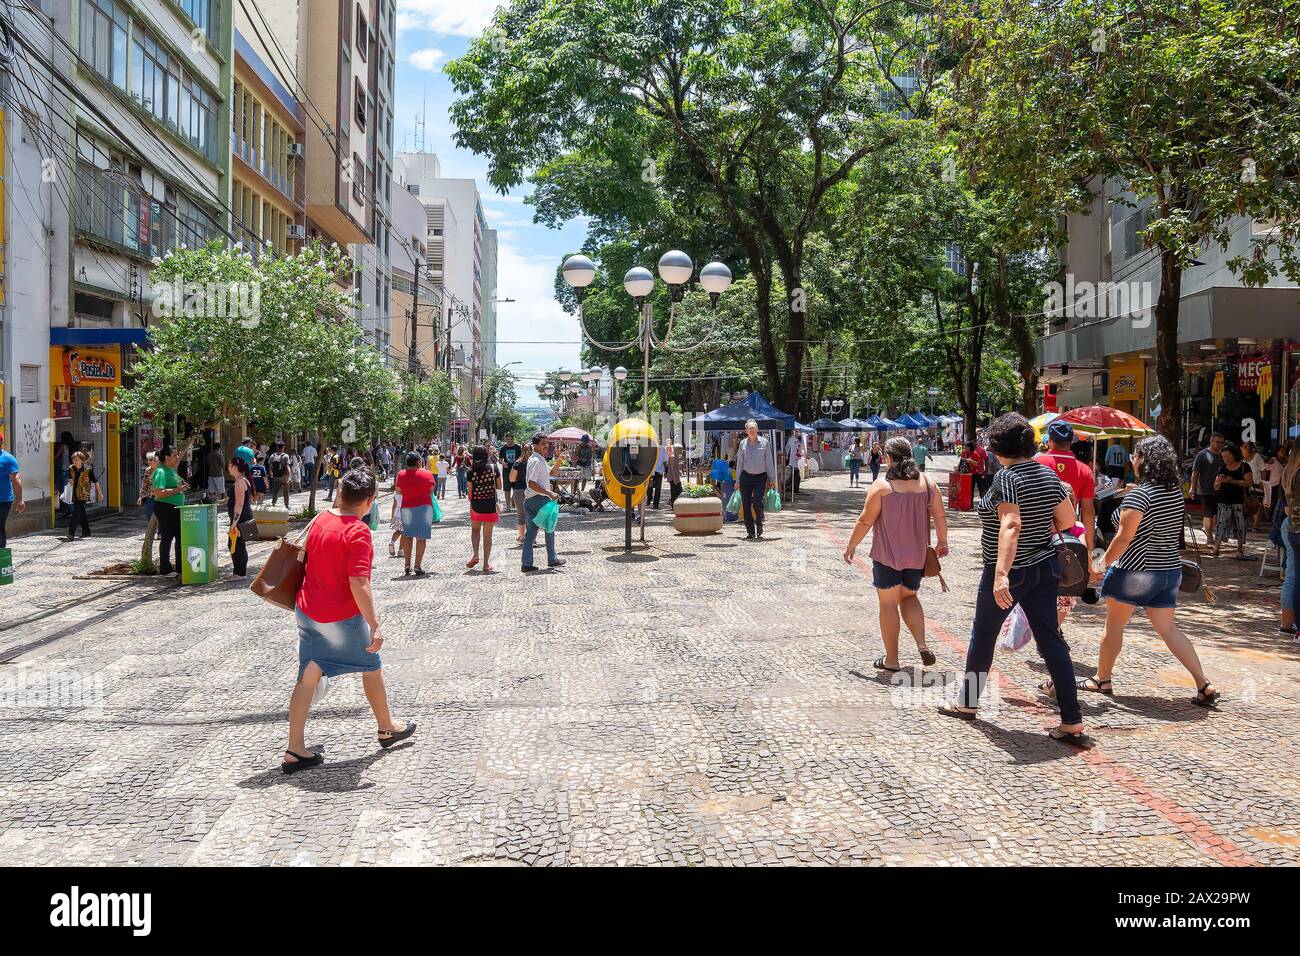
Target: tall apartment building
(416,318)
(1099,345)
(463,262)
(268,130)
(116,115)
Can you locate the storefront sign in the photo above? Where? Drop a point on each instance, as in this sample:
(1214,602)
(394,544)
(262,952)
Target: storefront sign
(1127,381)
(1249,368)
(90,367)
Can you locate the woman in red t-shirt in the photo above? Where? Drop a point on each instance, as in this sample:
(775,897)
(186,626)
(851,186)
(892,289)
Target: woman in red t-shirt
(415,485)
(338,627)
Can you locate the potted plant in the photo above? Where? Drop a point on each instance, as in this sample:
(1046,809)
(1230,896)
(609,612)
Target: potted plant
(697,510)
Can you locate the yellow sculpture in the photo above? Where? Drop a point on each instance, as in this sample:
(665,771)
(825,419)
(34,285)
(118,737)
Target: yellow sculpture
(629,433)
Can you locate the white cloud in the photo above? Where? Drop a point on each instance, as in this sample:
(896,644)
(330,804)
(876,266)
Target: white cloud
(426,59)
(534,317)
(465,18)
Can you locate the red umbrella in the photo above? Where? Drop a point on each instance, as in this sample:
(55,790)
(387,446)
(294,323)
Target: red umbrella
(1102,420)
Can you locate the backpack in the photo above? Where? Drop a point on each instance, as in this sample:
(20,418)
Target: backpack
(279,466)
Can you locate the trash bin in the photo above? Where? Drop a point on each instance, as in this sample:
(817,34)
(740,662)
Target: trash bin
(959,491)
(6,566)
(198,544)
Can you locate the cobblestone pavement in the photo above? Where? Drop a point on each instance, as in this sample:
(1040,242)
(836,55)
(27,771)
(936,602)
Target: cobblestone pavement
(693,703)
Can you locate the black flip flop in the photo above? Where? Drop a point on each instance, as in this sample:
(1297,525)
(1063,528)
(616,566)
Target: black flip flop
(927,657)
(879,664)
(951,710)
(1078,739)
(395,735)
(1202,699)
(302,763)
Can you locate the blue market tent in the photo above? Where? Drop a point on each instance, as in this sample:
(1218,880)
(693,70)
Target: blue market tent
(801,427)
(928,419)
(733,417)
(884,424)
(856,425)
(830,425)
(911,421)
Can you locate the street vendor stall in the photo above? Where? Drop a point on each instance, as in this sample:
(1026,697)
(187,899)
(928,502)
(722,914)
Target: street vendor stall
(732,418)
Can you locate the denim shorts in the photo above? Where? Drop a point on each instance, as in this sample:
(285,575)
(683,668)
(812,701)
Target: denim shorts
(885,577)
(337,648)
(1157,589)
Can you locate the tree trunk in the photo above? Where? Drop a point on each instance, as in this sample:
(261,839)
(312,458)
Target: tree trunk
(763,308)
(315,471)
(1169,368)
(787,398)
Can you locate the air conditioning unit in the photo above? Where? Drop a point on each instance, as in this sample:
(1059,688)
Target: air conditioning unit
(295,151)
(296,231)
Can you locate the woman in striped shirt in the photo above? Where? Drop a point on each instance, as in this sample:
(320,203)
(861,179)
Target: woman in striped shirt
(1145,567)
(1023,507)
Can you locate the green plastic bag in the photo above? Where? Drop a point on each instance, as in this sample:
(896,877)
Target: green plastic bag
(772,500)
(548,517)
(733,505)
(437,511)
(372,519)
(6,566)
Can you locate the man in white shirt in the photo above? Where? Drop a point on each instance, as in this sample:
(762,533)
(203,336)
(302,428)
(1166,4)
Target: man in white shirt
(794,460)
(536,495)
(308,463)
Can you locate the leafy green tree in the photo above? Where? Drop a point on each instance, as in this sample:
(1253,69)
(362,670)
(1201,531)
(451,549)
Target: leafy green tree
(1190,106)
(747,115)
(426,405)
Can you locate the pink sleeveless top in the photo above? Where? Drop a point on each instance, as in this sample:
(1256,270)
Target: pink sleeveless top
(902,532)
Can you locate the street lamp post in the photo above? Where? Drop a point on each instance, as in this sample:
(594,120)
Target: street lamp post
(675,268)
(620,374)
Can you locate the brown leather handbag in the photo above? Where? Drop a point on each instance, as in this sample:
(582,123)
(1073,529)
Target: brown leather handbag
(282,575)
(932,568)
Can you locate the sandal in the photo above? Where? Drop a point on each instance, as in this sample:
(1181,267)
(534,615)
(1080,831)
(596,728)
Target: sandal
(952,710)
(420,572)
(1073,738)
(302,763)
(879,664)
(1202,699)
(472,562)
(487,569)
(1048,689)
(1096,686)
(927,657)
(389,737)
(407,572)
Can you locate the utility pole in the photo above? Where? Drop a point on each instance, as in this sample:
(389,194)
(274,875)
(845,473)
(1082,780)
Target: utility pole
(413,354)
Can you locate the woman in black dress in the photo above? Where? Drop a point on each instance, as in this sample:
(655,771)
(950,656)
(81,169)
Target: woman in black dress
(484,483)
(239,502)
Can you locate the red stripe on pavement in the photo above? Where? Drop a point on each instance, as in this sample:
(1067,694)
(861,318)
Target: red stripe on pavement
(1202,835)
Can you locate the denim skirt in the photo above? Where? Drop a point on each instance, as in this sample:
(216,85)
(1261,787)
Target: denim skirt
(418,522)
(337,648)
(1158,589)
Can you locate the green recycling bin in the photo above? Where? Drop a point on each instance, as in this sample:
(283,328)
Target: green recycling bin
(198,544)
(6,566)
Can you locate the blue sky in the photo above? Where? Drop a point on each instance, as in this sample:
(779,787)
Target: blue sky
(533,330)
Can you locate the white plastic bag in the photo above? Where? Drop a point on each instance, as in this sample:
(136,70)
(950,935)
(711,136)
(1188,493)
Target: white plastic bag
(1015,632)
(66,497)
(322,688)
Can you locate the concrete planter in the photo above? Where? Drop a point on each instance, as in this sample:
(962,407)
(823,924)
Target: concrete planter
(698,515)
(272,522)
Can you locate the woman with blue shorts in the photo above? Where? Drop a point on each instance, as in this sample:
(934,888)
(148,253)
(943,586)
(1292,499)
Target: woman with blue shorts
(338,626)
(1143,567)
(898,512)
